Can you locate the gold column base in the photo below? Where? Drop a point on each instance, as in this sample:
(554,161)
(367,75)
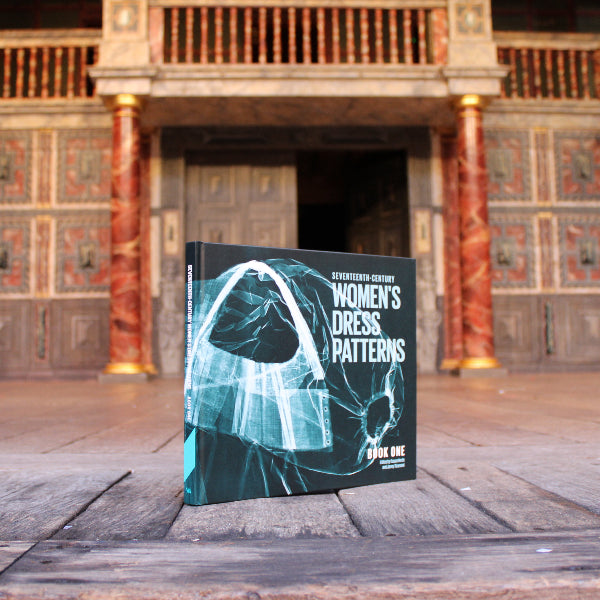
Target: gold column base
(150,369)
(124,368)
(483,362)
(450,363)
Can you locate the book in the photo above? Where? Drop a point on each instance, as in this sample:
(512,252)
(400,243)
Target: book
(300,371)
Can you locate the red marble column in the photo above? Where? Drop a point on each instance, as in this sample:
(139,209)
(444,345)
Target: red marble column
(478,333)
(125,306)
(452,280)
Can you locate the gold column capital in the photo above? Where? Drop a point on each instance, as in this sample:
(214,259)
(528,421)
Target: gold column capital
(471,101)
(126,101)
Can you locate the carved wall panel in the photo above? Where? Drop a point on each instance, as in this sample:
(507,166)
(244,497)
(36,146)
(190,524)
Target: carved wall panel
(577,329)
(83,254)
(513,251)
(577,156)
(508,163)
(15,336)
(579,239)
(84,166)
(15,167)
(80,333)
(15,249)
(518,330)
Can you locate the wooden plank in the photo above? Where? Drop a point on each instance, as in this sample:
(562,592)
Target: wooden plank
(147,433)
(518,504)
(140,507)
(430,437)
(36,504)
(11,551)
(480,432)
(573,476)
(421,507)
(319,515)
(490,567)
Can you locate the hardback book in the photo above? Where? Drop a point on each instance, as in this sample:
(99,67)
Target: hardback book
(300,371)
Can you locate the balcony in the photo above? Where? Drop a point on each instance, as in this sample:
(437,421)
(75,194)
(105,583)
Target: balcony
(287,35)
(550,67)
(50,64)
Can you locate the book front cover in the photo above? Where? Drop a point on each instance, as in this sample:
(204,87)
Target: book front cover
(300,371)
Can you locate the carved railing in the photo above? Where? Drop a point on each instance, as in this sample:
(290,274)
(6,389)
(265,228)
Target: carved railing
(305,33)
(47,64)
(555,68)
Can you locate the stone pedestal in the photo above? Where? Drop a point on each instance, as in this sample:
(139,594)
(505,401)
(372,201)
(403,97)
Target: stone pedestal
(477,333)
(125,303)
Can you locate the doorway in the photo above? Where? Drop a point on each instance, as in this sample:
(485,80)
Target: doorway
(351,201)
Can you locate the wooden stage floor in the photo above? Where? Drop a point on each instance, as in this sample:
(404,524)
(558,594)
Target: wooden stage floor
(506,503)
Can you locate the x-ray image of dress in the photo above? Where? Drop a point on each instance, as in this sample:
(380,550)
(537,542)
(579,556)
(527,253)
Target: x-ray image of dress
(268,410)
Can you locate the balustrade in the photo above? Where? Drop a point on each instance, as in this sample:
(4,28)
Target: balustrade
(561,68)
(307,35)
(47,66)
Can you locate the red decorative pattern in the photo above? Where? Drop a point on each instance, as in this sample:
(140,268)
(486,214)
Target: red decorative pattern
(42,256)
(15,167)
(83,248)
(14,256)
(44,168)
(580,252)
(512,252)
(84,166)
(546,247)
(578,165)
(508,165)
(543,177)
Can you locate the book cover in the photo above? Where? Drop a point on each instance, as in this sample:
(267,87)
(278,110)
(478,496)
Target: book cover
(300,371)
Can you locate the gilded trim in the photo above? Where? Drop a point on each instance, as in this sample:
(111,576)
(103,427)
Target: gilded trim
(483,362)
(124,368)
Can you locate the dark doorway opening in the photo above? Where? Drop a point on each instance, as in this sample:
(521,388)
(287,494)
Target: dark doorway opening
(353,202)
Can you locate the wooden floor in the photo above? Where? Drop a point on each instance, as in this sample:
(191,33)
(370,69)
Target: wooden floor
(506,503)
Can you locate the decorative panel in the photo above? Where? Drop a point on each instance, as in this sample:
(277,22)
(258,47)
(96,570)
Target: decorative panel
(579,251)
(267,232)
(15,167)
(217,185)
(15,240)
(266,184)
(215,231)
(45,168)
(577,156)
(83,254)
(517,327)
(512,252)
(84,165)
(80,333)
(15,336)
(508,164)
(578,340)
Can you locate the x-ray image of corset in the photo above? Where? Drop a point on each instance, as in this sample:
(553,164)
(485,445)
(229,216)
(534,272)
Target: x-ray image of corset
(278,405)
(261,369)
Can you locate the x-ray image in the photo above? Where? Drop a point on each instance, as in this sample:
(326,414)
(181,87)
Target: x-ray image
(292,382)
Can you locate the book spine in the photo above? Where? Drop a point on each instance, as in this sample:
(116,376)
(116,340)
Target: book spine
(192,250)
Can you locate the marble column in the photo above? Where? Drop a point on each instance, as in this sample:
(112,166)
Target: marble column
(476,283)
(125,289)
(453,350)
